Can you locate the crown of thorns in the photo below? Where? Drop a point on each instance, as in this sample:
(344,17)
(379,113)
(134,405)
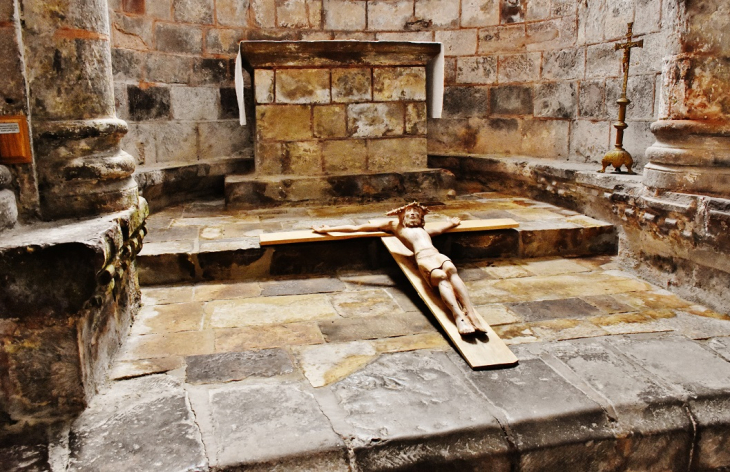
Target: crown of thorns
(398,211)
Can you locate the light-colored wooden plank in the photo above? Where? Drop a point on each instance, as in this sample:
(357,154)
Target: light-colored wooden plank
(307,235)
(479,351)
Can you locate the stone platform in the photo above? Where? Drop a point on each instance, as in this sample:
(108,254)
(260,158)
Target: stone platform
(206,241)
(332,368)
(347,372)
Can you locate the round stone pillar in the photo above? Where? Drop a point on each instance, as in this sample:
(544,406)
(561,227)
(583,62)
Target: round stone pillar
(81,169)
(692,149)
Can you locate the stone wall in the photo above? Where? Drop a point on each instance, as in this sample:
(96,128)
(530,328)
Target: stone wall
(536,78)
(173,80)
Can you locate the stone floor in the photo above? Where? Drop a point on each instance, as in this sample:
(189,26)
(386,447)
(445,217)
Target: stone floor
(345,371)
(349,373)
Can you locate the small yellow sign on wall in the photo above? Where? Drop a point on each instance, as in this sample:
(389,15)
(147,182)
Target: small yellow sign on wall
(14,140)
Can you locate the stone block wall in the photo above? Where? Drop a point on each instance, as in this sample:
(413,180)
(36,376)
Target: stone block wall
(340,120)
(537,78)
(541,79)
(173,81)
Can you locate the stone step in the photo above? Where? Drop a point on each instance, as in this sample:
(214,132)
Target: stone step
(253,191)
(203,243)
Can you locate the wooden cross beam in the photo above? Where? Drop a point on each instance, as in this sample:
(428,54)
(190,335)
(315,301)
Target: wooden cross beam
(480,351)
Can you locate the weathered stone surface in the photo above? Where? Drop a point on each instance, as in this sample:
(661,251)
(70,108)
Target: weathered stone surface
(512,12)
(176,142)
(232,12)
(344,15)
(185,11)
(463,102)
(263,13)
(170,318)
(264,85)
(137,368)
(330,121)
(167,68)
(328,363)
(233,366)
(302,86)
(151,346)
(603,60)
(459,42)
(222,41)
(642,404)
(592,103)
(589,140)
(389,15)
(147,422)
(364,303)
(301,286)
(344,156)
(283,122)
(511,100)
(148,104)
(353,329)
(375,119)
(518,68)
(556,100)
(399,83)
(209,71)
(476,70)
(479,13)
(576,418)
(269,310)
(566,64)
(351,85)
(416,394)
(416,119)
(8,209)
(265,337)
(502,39)
(396,154)
(194,103)
(550,309)
(269,426)
(178,38)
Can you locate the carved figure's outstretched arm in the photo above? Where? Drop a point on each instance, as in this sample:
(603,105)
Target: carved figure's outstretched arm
(367,227)
(450,223)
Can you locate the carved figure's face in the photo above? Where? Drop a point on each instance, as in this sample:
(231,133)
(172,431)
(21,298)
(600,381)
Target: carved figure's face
(412,218)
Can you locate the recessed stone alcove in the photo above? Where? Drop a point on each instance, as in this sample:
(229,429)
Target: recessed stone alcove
(337,118)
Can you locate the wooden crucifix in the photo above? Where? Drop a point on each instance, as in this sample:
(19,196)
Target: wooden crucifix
(432,274)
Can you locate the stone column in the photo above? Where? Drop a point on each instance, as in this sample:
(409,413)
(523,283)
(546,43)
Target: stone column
(692,151)
(81,169)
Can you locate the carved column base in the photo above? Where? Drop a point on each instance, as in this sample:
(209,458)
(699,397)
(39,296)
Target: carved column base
(82,172)
(689,157)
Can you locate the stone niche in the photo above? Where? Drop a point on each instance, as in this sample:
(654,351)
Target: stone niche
(330,110)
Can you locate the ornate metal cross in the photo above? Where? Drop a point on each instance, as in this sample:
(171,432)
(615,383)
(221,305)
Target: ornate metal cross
(619,156)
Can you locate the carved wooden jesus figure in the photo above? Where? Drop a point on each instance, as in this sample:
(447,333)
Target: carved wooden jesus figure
(436,268)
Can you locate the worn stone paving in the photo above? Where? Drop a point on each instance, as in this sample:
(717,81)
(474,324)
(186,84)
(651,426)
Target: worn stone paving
(347,372)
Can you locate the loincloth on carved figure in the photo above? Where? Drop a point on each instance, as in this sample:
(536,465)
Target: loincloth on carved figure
(428,260)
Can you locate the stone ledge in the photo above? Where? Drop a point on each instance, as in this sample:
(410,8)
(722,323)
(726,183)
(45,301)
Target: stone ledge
(68,295)
(269,54)
(173,182)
